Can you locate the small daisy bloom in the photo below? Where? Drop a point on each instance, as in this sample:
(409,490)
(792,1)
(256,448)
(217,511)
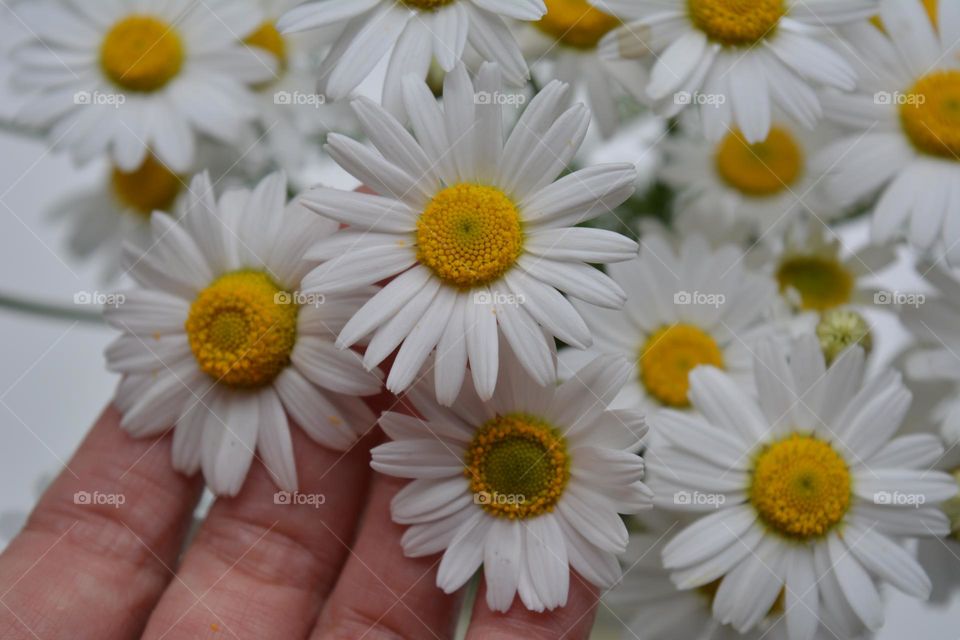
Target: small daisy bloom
(685,307)
(806,490)
(528,484)
(736,59)
(418,32)
(131,76)
(763,186)
(219,339)
(478,237)
(935,323)
(907,145)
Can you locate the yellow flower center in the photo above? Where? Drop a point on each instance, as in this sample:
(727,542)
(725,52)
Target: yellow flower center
(268,38)
(426,5)
(840,329)
(761,169)
(469,235)
(575,23)
(518,466)
(141,53)
(800,487)
(242,329)
(930,114)
(822,282)
(150,188)
(736,23)
(669,356)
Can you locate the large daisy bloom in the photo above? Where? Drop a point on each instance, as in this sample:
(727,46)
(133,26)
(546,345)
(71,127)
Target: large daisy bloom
(686,306)
(418,32)
(906,147)
(806,489)
(130,76)
(480,237)
(736,60)
(528,484)
(219,340)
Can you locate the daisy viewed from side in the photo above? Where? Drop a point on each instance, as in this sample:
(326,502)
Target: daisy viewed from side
(418,32)
(476,233)
(906,147)
(131,77)
(736,60)
(685,307)
(219,340)
(808,490)
(528,484)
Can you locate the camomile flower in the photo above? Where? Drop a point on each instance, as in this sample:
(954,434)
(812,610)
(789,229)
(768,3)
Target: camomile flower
(476,233)
(906,147)
(762,186)
(685,307)
(804,488)
(219,339)
(736,60)
(418,32)
(528,484)
(564,43)
(132,77)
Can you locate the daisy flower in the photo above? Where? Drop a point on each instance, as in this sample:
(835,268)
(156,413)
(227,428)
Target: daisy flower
(528,484)
(479,236)
(685,307)
(133,77)
(761,186)
(736,60)
(219,340)
(566,40)
(806,490)
(418,32)
(907,145)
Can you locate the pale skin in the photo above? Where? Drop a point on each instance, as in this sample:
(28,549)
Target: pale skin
(255,569)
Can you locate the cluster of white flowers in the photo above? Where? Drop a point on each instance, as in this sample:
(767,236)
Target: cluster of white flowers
(477,274)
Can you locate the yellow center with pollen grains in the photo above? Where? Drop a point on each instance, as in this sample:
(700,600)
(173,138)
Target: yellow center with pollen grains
(426,5)
(736,23)
(575,23)
(669,356)
(141,53)
(800,487)
(150,188)
(469,235)
(268,38)
(761,169)
(930,114)
(518,466)
(242,329)
(823,283)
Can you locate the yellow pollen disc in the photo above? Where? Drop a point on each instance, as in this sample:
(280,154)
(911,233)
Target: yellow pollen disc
(575,23)
(930,114)
(669,356)
(762,169)
(426,5)
(242,330)
(268,38)
(736,23)
(823,283)
(469,235)
(518,466)
(150,188)
(800,487)
(141,53)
